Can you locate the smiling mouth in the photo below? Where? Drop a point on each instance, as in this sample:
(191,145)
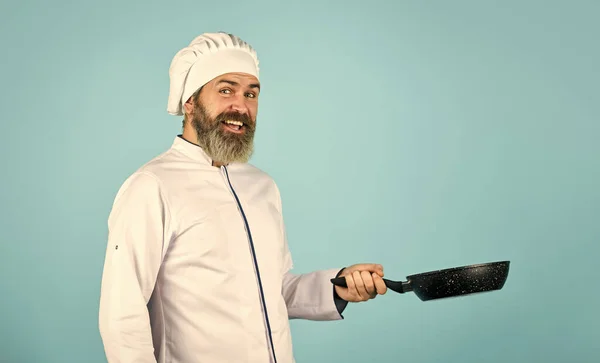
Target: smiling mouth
(234,126)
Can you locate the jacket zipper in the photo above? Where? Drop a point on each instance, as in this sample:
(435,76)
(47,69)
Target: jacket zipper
(255,261)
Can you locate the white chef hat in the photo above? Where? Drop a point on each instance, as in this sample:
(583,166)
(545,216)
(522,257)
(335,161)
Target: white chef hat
(208,56)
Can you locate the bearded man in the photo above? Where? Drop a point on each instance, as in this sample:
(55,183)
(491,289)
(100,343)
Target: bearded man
(197,266)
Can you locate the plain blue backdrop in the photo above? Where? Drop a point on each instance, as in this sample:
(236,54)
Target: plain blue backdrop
(419,135)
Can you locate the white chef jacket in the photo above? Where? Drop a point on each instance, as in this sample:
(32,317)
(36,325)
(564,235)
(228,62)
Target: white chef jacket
(197,266)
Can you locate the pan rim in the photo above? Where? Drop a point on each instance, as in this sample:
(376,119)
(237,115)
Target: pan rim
(461,268)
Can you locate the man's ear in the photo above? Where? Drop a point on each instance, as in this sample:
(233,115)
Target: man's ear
(188,106)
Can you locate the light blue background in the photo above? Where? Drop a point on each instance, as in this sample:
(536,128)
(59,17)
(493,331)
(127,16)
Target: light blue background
(420,135)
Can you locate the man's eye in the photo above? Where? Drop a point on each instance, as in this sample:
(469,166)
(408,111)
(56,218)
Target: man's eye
(225,90)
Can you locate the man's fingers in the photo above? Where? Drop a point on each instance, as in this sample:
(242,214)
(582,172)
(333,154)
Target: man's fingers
(350,283)
(360,285)
(370,267)
(364,281)
(368,282)
(379,284)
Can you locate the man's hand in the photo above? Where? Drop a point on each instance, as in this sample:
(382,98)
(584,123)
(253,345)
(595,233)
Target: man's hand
(364,282)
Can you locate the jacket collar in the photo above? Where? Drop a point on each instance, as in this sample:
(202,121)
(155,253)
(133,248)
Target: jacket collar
(191,150)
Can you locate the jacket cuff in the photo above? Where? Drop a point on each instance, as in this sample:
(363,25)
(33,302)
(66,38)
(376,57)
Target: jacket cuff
(340,303)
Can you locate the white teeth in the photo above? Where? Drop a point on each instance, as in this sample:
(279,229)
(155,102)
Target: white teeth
(232,122)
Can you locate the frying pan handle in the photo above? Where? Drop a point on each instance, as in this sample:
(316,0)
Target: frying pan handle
(341,282)
(399,287)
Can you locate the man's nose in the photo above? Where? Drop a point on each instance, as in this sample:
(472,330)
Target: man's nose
(239,105)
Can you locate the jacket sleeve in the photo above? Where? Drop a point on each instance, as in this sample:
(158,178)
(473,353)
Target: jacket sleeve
(312,296)
(139,229)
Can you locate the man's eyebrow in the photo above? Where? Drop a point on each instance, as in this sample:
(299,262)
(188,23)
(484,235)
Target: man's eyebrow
(233,83)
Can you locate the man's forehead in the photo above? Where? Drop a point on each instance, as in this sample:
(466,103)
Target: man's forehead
(237,79)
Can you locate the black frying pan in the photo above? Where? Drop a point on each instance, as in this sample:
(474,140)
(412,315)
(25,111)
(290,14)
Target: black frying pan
(449,282)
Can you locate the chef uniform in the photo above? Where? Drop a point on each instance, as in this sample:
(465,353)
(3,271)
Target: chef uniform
(197,266)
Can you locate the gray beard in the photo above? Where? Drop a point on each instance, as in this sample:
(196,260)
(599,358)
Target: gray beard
(220,145)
